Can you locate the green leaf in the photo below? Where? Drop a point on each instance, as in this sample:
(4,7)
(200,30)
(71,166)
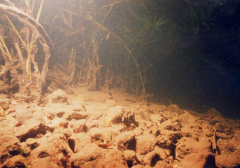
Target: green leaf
(143,19)
(160,23)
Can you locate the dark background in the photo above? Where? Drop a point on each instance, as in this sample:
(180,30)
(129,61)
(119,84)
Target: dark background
(204,71)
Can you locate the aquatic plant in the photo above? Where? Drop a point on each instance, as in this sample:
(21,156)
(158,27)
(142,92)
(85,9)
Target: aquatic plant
(121,37)
(30,34)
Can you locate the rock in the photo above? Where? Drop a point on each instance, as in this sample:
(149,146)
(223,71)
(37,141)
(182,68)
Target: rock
(158,119)
(78,125)
(186,118)
(118,114)
(69,115)
(236,140)
(67,133)
(129,119)
(8,123)
(68,91)
(56,123)
(60,113)
(58,96)
(4,103)
(92,123)
(193,130)
(9,145)
(26,150)
(138,131)
(225,146)
(198,160)
(138,166)
(29,129)
(142,115)
(175,108)
(78,141)
(171,124)
(78,115)
(2,112)
(224,131)
(41,116)
(130,157)
(166,163)
(145,143)
(54,145)
(111,159)
(115,114)
(88,153)
(213,111)
(156,108)
(164,142)
(188,145)
(78,107)
(32,143)
(49,162)
(220,135)
(79,99)
(57,110)
(230,160)
(126,141)
(152,157)
(22,114)
(109,134)
(95,133)
(120,127)
(173,136)
(110,103)
(16,161)
(149,125)
(154,130)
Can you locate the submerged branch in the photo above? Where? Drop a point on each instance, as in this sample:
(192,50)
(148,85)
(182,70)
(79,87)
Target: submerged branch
(40,34)
(28,20)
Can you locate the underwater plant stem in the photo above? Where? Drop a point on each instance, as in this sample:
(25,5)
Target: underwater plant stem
(39,11)
(7,51)
(108,11)
(125,45)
